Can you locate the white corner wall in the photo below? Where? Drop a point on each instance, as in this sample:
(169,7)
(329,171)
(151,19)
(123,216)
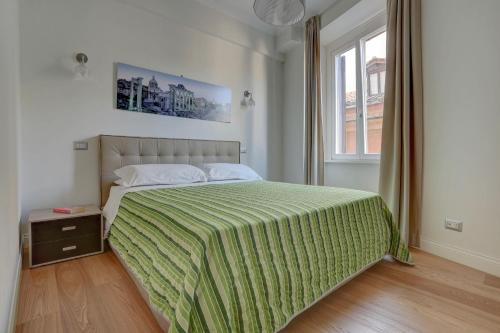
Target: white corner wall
(9,161)
(177,37)
(349,175)
(293,116)
(351,17)
(359,176)
(461,65)
(462,131)
(344,174)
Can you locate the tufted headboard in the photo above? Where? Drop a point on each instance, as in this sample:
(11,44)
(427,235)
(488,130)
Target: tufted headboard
(119,151)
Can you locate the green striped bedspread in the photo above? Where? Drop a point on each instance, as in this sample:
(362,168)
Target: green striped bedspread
(248,256)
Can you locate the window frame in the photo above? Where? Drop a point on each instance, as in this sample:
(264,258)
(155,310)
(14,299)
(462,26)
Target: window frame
(355,38)
(335,77)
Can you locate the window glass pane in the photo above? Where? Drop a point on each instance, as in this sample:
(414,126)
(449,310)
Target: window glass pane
(373,84)
(374,108)
(382,82)
(345,133)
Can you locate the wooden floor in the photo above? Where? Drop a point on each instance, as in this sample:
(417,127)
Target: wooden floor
(95,294)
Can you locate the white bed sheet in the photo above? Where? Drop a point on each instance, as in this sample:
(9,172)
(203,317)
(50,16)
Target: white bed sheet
(117,192)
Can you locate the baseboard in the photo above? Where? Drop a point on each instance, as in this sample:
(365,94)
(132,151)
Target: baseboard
(15,295)
(466,257)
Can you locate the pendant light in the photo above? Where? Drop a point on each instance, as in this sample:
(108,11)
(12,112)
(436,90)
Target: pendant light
(280,12)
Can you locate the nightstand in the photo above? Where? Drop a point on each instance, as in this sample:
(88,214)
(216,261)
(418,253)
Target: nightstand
(57,237)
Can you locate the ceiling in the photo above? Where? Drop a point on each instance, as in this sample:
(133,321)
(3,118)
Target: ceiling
(242,10)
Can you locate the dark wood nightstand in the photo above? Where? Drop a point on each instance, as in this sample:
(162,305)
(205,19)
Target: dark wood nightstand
(57,237)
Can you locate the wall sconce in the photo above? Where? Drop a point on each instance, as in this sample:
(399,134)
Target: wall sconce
(247,101)
(81,70)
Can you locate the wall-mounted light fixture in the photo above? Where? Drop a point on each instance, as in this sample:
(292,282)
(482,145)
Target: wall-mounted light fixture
(247,101)
(81,70)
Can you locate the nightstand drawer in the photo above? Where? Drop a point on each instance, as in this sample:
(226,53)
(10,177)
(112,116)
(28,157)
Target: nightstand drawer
(64,229)
(64,249)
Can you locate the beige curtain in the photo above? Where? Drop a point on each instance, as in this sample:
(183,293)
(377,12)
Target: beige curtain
(314,154)
(401,159)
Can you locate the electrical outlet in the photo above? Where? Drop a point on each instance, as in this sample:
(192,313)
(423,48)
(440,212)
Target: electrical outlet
(453,225)
(80,145)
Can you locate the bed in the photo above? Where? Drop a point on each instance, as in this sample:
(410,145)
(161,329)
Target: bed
(236,256)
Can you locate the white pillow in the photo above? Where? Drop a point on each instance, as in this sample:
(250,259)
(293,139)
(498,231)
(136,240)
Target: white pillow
(159,174)
(225,171)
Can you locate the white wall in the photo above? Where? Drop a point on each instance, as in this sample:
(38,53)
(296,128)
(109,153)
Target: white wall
(9,194)
(293,116)
(359,176)
(462,130)
(211,22)
(336,10)
(164,35)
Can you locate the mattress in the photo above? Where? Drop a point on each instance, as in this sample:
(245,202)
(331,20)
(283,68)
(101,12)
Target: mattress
(248,256)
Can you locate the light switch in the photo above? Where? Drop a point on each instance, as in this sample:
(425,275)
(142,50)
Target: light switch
(80,145)
(243,150)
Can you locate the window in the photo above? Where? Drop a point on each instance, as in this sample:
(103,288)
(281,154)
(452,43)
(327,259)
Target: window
(357,97)
(373,84)
(346,103)
(382,82)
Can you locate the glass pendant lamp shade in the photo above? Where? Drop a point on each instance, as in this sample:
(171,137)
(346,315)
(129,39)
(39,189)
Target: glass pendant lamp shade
(280,12)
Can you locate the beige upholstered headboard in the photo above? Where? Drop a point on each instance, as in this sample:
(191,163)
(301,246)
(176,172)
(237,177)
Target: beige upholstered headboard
(119,151)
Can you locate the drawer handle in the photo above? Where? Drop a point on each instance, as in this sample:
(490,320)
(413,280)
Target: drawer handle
(71,227)
(69,248)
